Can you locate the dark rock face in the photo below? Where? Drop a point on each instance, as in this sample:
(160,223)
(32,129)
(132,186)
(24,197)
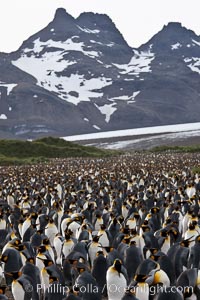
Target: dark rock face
(80,76)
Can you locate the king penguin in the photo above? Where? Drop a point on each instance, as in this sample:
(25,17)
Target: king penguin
(116,281)
(13,262)
(93,248)
(21,287)
(58,242)
(50,231)
(33,273)
(99,271)
(132,264)
(87,284)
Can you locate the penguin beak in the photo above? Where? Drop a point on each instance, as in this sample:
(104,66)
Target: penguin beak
(40,258)
(8,274)
(190,238)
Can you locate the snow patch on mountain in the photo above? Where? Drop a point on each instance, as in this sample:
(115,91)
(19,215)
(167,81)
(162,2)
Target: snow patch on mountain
(68,45)
(194,65)
(130,99)
(197,43)
(176,46)
(44,68)
(87,30)
(107,110)
(9,86)
(3,117)
(96,127)
(139,63)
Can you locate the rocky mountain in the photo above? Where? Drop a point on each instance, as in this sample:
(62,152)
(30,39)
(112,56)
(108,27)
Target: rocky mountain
(80,76)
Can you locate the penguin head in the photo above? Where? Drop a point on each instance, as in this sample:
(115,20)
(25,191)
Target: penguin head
(98,215)
(155,210)
(136,215)
(126,239)
(114,221)
(34,225)
(164,233)
(174,232)
(81,267)
(40,231)
(46,241)
(186,243)
(140,278)
(56,205)
(96,238)
(51,221)
(126,230)
(108,249)
(191,226)
(53,279)
(15,274)
(168,220)
(132,243)
(117,265)
(15,242)
(103,226)
(47,262)
(2,290)
(100,252)
(42,249)
(155,256)
(20,247)
(30,260)
(34,215)
(145,228)
(133,232)
(68,234)
(153,250)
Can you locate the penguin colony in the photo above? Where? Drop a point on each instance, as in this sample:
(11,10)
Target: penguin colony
(116,228)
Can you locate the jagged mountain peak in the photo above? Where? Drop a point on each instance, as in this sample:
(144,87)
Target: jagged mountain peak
(60,28)
(103,25)
(61,16)
(95,19)
(173,25)
(176,29)
(173,36)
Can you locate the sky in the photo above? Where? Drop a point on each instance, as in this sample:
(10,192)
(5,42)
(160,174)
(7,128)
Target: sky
(137,20)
